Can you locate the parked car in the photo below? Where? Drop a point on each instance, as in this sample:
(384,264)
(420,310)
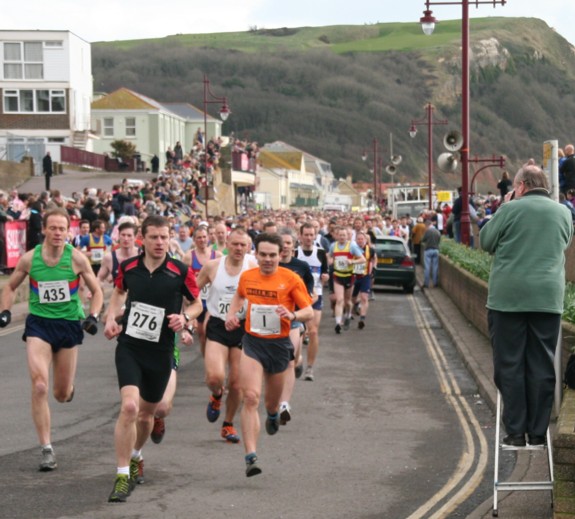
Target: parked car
(395,266)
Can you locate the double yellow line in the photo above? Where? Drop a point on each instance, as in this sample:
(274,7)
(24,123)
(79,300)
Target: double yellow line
(468,421)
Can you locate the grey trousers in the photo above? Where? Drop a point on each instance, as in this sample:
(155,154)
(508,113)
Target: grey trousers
(523,350)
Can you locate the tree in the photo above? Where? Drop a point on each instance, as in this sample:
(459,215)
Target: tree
(124,150)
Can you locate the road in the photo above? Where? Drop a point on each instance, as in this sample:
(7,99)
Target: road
(392,427)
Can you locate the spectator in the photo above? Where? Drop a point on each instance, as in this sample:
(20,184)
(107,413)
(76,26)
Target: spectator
(430,241)
(528,238)
(567,169)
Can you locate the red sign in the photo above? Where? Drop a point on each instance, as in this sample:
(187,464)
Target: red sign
(15,242)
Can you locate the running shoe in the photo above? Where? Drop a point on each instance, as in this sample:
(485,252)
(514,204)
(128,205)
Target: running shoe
(137,471)
(285,413)
(121,490)
(272,424)
(252,467)
(213,410)
(306,340)
(299,367)
(71,397)
(338,328)
(309,374)
(356,308)
(159,430)
(346,322)
(361,325)
(48,462)
(230,434)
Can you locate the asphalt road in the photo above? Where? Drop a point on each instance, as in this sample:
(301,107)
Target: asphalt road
(376,435)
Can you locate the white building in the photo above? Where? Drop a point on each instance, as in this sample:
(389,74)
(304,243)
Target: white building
(46,86)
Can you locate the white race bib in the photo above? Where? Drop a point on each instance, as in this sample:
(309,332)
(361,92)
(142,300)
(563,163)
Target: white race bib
(341,263)
(97,255)
(360,268)
(224,305)
(145,322)
(264,320)
(53,291)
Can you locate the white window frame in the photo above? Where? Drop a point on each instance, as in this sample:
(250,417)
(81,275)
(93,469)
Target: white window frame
(130,126)
(25,66)
(108,126)
(54,94)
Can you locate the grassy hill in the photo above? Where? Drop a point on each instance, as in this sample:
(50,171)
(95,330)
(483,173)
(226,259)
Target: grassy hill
(330,90)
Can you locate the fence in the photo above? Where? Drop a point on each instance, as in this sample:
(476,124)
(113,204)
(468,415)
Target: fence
(69,155)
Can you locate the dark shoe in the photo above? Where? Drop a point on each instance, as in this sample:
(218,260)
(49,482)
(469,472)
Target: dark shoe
(299,367)
(514,440)
(285,413)
(536,441)
(159,430)
(272,424)
(71,397)
(213,410)
(337,328)
(252,467)
(48,462)
(121,490)
(346,323)
(137,471)
(361,325)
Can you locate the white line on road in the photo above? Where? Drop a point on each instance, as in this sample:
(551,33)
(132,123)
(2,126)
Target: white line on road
(465,414)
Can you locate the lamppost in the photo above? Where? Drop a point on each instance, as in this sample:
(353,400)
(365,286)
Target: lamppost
(377,163)
(413,132)
(493,161)
(210,98)
(428,25)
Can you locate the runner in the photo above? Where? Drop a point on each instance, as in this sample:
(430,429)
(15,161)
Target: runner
(153,286)
(53,330)
(196,259)
(95,244)
(362,278)
(223,347)
(272,292)
(303,270)
(343,254)
(316,258)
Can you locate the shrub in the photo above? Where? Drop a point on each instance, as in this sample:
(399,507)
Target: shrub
(478,263)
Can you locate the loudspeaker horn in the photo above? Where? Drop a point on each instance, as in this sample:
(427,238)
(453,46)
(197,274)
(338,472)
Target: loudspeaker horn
(396,160)
(447,162)
(390,169)
(453,141)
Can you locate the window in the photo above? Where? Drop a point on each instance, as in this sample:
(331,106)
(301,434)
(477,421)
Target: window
(130,126)
(23,60)
(34,101)
(54,44)
(108,126)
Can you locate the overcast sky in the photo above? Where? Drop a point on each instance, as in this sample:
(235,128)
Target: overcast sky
(107,20)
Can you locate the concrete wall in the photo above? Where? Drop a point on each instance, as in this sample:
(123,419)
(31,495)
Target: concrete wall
(13,174)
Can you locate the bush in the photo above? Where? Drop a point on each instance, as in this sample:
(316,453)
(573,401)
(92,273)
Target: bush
(478,263)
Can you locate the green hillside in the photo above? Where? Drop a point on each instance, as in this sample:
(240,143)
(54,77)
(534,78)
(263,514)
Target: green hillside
(330,90)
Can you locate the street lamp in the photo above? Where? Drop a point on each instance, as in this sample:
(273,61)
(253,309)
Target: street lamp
(210,98)
(413,132)
(377,163)
(428,25)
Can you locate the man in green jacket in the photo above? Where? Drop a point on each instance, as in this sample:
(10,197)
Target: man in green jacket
(528,236)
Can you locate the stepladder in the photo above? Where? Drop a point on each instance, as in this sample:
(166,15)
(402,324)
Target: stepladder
(513,486)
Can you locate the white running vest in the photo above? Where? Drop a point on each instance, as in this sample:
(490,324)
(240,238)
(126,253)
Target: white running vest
(223,289)
(315,265)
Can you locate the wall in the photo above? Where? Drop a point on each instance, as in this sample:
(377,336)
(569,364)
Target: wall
(12,174)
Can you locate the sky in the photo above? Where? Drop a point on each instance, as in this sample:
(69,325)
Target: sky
(107,20)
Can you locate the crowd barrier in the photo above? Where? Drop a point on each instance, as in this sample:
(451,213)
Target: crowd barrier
(13,241)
